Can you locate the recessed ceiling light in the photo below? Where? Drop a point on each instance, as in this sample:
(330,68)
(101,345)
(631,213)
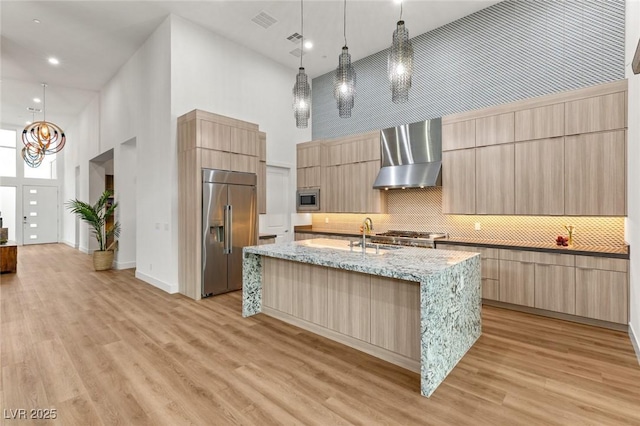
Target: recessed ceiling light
(37,100)
(54,61)
(36,21)
(308,44)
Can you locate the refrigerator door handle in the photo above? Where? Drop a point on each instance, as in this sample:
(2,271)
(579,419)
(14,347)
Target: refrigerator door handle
(227,229)
(230,228)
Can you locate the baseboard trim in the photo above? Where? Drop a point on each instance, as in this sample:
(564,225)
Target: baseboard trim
(125,265)
(634,341)
(70,244)
(84,250)
(557,315)
(156,283)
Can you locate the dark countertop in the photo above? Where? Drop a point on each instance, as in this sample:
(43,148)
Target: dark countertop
(620,252)
(266,236)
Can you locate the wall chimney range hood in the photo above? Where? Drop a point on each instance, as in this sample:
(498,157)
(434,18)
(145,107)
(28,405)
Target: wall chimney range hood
(411,156)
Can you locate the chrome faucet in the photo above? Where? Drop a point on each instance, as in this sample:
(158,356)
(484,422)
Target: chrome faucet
(367,225)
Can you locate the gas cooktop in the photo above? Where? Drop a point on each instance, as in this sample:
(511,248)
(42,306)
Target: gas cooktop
(408,238)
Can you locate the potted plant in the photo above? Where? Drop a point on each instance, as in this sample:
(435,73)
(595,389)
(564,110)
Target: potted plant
(96,216)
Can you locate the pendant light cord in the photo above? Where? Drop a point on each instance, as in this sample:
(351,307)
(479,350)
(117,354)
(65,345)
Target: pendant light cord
(44,101)
(401,10)
(302,31)
(345,23)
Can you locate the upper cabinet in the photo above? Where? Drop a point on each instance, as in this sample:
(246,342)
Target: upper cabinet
(494,130)
(561,154)
(539,123)
(459,135)
(605,112)
(344,169)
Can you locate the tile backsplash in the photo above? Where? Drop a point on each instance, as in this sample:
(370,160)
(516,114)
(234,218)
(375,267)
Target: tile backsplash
(421,210)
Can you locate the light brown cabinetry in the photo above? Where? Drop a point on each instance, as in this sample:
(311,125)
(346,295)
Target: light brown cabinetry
(595,114)
(350,303)
(310,295)
(595,174)
(459,182)
(539,123)
(539,177)
(517,283)
(395,316)
(495,174)
(281,276)
(262,173)
(555,288)
(459,135)
(495,129)
(602,289)
(207,140)
(344,169)
(568,146)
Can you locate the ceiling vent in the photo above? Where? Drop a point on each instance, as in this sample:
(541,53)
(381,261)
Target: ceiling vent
(297,52)
(294,38)
(264,19)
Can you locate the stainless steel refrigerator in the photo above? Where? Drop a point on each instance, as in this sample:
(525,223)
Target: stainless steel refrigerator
(229,223)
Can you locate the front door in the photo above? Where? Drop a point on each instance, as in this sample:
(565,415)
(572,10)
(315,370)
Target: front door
(40,214)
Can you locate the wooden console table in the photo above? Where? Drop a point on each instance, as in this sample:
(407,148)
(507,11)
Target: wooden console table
(8,257)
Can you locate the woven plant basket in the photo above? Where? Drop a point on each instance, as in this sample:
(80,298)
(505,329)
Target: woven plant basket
(102,260)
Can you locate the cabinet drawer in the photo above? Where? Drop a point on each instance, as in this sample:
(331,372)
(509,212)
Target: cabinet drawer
(604,263)
(490,268)
(490,289)
(518,255)
(554,259)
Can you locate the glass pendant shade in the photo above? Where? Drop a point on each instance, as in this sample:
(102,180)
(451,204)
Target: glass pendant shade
(344,84)
(302,99)
(400,64)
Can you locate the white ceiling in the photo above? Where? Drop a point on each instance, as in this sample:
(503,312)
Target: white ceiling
(93,39)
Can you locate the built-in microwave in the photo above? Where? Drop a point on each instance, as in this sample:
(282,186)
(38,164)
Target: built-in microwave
(308,199)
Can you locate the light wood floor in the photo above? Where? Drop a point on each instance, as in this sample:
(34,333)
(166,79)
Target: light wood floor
(105,348)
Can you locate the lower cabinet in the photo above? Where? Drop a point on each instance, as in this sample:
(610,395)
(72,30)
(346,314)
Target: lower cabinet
(602,295)
(555,288)
(490,289)
(517,282)
(349,303)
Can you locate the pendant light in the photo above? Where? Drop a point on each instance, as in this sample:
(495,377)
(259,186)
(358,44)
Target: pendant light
(301,90)
(41,137)
(344,83)
(400,63)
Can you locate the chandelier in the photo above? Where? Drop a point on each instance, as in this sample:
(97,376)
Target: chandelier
(400,63)
(344,83)
(41,138)
(301,90)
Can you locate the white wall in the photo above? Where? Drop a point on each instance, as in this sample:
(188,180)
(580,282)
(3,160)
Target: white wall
(180,67)
(633,156)
(211,73)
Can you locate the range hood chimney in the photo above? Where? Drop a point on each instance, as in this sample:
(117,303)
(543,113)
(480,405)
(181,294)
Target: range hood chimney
(411,156)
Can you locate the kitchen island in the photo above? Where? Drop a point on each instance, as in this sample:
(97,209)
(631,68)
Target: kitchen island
(417,308)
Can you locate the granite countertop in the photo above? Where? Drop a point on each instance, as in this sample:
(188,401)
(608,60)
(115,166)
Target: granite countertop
(405,263)
(266,236)
(620,252)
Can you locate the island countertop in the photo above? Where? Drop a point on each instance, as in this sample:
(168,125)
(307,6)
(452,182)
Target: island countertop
(430,299)
(405,263)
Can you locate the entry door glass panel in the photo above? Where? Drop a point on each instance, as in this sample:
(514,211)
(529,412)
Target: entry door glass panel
(40,210)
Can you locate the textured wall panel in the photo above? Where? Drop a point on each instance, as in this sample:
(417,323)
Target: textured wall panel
(421,210)
(512,50)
